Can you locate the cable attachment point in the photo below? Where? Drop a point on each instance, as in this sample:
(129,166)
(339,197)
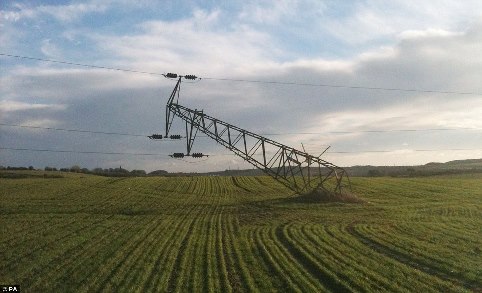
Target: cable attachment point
(155,136)
(190,76)
(170,75)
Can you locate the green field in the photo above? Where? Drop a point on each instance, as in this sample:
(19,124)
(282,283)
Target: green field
(84,233)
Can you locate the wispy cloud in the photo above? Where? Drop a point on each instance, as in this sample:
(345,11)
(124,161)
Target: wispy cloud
(397,44)
(64,13)
(15,106)
(49,49)
(198,42)
(40,123)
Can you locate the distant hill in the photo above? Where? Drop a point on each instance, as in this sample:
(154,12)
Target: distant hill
(452,167)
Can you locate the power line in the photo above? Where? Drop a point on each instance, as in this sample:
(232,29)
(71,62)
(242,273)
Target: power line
(391,151)
(80,152)
(265,134)
(81,64)
(377,131)
(248,80)
(343,86)
(224,154)
(73,130)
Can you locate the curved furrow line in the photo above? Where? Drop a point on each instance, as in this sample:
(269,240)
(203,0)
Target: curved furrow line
(42,247)
(220,255)
(291,262)
(166,257)
(445,282)
(275,268)
(233,276)
(261,187)
(421,253)
(156,270)
(158,252)
(256,188)
(135,266)
(228,185)
(191,186)
(74,262)
(193,278)
(212,270)
(234,236)
(184,253)
(383,271)
(171,201)
(167,226)
(115,260)
(26,239)
(218,187)
(201,273)
(201,187)
(23,229)
(464,267)
(319,272)
(186,185)
(377,264)
(209,268)
(46,262)
(435,235)
(205,254)
(239,185)
(462,232)
(167,184)
(176,185)
(342,260)
(100,199)
(231,281)
(370,263)
(454,211)
(262,273)
(117,200)
(208,185)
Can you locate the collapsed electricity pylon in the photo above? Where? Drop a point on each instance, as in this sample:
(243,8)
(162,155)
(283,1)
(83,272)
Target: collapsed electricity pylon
(297,170)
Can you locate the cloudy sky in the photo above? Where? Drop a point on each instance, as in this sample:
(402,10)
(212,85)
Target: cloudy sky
(429,50)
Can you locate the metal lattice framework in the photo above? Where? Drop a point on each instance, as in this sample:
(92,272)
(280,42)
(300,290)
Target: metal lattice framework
(298,170)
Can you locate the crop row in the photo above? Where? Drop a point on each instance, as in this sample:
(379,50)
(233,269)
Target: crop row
(234,234)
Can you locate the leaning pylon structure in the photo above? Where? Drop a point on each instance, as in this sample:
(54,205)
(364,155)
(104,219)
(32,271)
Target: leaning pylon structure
(297,170)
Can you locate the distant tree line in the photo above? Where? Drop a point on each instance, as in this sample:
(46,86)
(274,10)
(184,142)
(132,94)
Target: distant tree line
(17,168)
(110,172)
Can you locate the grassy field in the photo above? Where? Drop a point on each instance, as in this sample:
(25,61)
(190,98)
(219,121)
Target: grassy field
(85,233)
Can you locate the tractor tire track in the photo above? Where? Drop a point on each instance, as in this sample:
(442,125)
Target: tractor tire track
(409,261)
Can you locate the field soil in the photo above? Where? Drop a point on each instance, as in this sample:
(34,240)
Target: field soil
(84,233)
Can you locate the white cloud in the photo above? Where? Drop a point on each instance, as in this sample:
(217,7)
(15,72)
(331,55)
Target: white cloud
(14,106)
(49,49)
(40,122)
(197,44)
(70,83)
(374,19)
(420,34)
(64,13)
(442,57)
(273,12)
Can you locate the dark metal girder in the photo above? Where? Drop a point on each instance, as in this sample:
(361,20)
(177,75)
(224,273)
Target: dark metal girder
(292,164)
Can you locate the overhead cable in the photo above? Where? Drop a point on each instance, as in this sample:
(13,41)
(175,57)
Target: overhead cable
(227,154)
(266,134)
(250,80)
